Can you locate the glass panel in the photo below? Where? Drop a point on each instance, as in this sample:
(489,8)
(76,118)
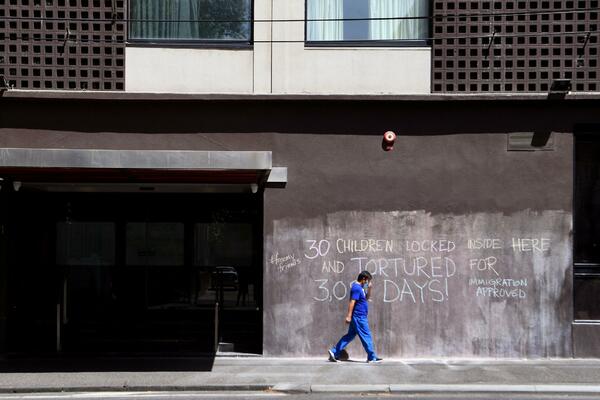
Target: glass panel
(223,252)
(587,298)
(89,293)
(381,20)
(325,30)
(158,243)
(85,243)
(191,19)
(403,28)
(221,244)
(168,287)
(359,28)
(587,200)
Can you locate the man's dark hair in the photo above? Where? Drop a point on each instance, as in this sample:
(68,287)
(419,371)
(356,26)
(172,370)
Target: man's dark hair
(364,275)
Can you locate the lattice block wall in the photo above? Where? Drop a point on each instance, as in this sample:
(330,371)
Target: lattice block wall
(63,44)
(533,45)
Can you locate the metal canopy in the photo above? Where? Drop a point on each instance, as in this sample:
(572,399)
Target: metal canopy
(135,159)
(73,168)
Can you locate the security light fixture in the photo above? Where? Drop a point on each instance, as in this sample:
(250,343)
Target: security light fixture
(560,86)
(530,141)
(559,89)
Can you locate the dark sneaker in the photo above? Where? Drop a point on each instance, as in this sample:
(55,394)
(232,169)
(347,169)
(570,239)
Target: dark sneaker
(332,356)
(375,360)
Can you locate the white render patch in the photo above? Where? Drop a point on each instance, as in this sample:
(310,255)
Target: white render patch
(319,70)
(293,69)
(188,70)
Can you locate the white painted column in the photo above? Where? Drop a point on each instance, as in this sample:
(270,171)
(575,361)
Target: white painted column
(262,62)
(285,55)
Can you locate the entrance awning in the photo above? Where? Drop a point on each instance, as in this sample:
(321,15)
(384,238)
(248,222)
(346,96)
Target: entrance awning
(113,169)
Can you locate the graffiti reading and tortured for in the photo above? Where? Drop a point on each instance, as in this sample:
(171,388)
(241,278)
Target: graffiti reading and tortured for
(421,276)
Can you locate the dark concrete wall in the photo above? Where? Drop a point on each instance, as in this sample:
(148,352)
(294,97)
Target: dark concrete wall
(449,179)
(450,301)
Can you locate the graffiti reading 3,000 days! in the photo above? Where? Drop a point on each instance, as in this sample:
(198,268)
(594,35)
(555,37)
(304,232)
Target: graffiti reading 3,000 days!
(419,276)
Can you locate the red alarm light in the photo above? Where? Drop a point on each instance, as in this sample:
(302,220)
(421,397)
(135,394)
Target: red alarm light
(387,143)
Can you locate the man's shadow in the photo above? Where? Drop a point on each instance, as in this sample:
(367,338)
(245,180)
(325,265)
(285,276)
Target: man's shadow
(345,357)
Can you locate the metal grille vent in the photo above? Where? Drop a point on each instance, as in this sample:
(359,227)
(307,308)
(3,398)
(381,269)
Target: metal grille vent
(533,43)
(63,44)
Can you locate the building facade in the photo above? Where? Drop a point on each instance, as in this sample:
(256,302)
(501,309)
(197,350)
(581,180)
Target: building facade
(181,177)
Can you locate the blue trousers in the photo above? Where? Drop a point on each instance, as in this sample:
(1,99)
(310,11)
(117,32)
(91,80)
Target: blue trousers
(358,326)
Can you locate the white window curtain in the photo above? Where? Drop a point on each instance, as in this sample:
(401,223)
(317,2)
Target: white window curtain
(190,19)
(325,30)
(166,19)
(398,29)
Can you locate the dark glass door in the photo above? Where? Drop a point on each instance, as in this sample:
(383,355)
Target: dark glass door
(137,273)
(33,286)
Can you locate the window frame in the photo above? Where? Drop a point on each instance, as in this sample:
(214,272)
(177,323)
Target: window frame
(192,43)
(367,43)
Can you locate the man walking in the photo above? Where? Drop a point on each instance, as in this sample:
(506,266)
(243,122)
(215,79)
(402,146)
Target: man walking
(358,309)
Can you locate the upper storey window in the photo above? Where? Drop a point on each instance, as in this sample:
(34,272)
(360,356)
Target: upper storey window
(209,21)
(367,21)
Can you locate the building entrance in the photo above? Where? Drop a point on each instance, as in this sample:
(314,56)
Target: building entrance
(133,273)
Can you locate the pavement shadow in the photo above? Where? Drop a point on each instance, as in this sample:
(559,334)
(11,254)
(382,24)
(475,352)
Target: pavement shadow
(80,363)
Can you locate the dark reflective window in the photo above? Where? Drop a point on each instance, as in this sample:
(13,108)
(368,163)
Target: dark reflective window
(223,252)
(586,221)
(191,20)
(135,272)
(221,244)
(85,243)
(587,298)
(156,243)
(587,199)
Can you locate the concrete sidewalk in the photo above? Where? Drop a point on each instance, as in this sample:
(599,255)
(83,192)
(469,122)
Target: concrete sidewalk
(303,375)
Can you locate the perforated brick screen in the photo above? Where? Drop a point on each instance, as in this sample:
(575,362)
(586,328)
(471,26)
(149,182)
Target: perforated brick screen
(63,44)
(533,45)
